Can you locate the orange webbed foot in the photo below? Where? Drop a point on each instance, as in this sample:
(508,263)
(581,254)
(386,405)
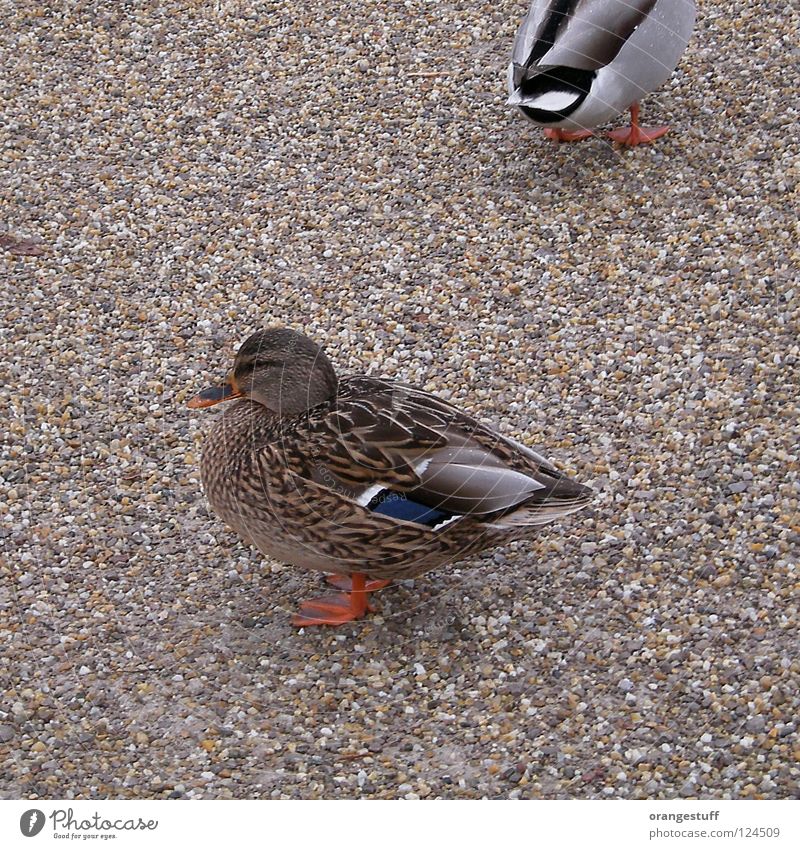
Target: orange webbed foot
(337,608)
(559,135)
(635,134)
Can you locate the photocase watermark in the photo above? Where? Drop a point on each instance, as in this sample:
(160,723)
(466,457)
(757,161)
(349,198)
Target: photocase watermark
(32,822)
(66,826)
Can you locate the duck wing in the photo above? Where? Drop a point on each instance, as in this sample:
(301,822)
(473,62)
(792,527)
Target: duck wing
(583,34)
(384,443)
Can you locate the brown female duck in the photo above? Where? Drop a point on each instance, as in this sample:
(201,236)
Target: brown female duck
(365,478)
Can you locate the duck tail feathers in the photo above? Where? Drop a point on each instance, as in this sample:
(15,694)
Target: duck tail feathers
(562,498)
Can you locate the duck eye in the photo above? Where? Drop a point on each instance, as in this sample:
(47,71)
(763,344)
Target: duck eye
(263,364)
(242,370)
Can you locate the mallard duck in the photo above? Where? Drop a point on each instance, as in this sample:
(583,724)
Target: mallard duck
(364,478)
(577,64)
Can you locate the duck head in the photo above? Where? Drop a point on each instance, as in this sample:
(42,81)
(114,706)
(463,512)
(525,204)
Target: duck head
(278,368)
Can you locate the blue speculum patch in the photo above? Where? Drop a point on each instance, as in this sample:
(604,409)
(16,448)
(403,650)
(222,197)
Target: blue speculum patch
(397,505)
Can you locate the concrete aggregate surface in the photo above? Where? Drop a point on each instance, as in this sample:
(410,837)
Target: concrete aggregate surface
(177,174)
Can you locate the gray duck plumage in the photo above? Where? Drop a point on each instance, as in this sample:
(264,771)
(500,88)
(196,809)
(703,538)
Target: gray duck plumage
(577,64)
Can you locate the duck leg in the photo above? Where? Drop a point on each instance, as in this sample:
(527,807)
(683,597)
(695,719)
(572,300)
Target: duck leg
(345,582)
(559,135)
(337,608)
(633,135)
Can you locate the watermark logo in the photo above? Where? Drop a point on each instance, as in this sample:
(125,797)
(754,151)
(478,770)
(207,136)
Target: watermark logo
(64,824)
(31,822)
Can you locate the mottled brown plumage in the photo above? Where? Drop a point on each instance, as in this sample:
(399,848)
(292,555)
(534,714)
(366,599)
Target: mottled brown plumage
(323,473)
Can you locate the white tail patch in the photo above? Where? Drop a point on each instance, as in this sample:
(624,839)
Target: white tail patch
(551,101)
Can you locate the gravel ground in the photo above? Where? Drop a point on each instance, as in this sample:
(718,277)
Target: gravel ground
(178,174)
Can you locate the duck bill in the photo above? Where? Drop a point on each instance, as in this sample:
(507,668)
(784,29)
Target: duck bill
(215,395)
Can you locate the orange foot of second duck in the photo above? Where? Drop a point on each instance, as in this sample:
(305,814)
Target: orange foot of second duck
(338,608)
(558,135)
(636,134)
